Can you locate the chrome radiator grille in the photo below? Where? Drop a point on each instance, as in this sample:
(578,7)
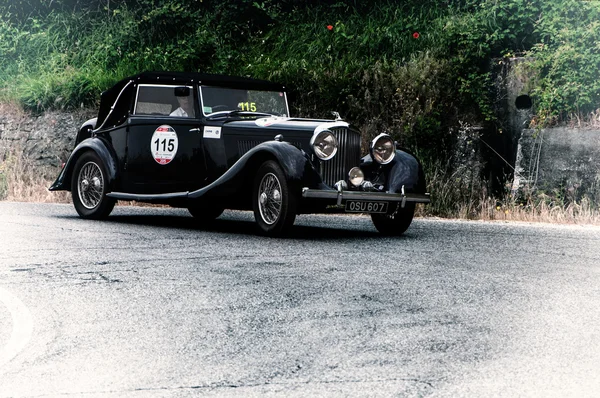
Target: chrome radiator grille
(348,156)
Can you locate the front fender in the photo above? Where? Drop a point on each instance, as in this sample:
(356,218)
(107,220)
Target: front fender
(102,149)
(404,170)
(293,161)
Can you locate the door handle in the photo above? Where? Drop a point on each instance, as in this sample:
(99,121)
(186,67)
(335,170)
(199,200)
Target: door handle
(194,130)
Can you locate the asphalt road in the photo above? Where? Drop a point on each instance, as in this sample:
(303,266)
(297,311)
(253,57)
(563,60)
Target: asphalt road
(148,304)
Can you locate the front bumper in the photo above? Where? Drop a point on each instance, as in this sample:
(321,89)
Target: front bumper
(341,195)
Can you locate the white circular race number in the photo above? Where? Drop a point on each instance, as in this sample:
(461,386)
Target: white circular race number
(164,144)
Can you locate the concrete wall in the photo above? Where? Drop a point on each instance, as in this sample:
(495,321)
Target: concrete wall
(513,106)
(513,109)
(559,161)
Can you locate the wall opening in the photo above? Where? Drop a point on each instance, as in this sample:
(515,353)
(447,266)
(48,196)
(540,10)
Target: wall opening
(523,102)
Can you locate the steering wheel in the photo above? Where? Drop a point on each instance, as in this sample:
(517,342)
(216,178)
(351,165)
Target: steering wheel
(218,108)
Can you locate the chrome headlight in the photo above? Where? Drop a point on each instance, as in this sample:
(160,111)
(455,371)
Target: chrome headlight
(383,149)
(356,176)
(324,144)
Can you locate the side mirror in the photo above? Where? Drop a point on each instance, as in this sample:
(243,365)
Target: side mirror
(182,91)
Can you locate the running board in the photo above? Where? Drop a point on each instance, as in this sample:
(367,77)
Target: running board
(148,197)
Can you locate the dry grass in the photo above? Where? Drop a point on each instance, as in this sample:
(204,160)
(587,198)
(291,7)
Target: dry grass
(580,214)
(21,181)
(574,213)
(455,195)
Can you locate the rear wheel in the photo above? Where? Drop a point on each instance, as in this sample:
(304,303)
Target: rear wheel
(394,224)
(274,201)
(89,187)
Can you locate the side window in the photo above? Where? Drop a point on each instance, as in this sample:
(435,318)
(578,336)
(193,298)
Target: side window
(165,101)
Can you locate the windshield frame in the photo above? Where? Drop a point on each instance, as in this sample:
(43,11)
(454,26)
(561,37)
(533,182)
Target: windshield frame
(259,113)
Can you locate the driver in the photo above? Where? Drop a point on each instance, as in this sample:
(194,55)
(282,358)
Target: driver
(186,107)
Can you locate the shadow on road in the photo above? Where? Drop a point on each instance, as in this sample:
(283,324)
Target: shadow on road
(243,224)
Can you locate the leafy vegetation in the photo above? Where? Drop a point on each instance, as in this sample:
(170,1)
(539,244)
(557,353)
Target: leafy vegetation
(333,55)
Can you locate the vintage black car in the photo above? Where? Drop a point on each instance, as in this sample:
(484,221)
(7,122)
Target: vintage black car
(210,142)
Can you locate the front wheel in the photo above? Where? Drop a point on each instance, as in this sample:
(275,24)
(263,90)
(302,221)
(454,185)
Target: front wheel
(274,202)
(89,187)
(394,224)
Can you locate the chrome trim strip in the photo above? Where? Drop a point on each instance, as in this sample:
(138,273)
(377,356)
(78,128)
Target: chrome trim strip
(357,195)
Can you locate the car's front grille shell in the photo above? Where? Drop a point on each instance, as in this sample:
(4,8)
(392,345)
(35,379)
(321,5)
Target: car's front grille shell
(348,156)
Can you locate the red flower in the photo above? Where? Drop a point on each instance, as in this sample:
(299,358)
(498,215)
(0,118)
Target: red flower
(330,27)
(416,35)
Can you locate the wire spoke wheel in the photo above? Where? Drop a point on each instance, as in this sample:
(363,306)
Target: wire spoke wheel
(269,198)
(90,185)
(275,201)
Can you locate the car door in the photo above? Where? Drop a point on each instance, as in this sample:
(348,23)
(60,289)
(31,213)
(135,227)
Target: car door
(164,142)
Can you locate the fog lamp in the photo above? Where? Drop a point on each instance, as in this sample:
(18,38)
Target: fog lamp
(356,176)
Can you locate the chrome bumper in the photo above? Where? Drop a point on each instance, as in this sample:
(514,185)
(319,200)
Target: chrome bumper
(341,195)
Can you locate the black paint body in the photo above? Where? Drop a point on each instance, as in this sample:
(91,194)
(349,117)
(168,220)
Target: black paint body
(212,169)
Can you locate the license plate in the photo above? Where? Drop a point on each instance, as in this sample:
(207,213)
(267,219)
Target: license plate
(362,206)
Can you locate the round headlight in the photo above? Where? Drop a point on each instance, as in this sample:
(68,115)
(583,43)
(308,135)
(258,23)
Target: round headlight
(382,149)
(356,176)
(324,144)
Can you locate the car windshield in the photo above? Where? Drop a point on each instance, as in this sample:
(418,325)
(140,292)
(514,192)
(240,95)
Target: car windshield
(219,99)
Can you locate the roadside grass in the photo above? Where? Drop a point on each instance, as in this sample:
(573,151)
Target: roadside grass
(535,211)
(22,181)
(455,198)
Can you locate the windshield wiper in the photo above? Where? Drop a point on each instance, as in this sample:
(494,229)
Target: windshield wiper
(225,114)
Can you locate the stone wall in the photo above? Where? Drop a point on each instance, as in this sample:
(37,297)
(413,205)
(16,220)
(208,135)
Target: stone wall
(44,141)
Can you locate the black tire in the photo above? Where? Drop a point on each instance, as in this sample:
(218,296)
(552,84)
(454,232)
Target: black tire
(273,200)
(89,188)
(394,224)
(204,211)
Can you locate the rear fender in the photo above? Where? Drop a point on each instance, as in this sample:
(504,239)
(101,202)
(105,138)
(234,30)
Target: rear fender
(102,149)
(86,129)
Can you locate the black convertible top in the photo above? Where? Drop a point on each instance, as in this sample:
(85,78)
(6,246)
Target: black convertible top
(108,97)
